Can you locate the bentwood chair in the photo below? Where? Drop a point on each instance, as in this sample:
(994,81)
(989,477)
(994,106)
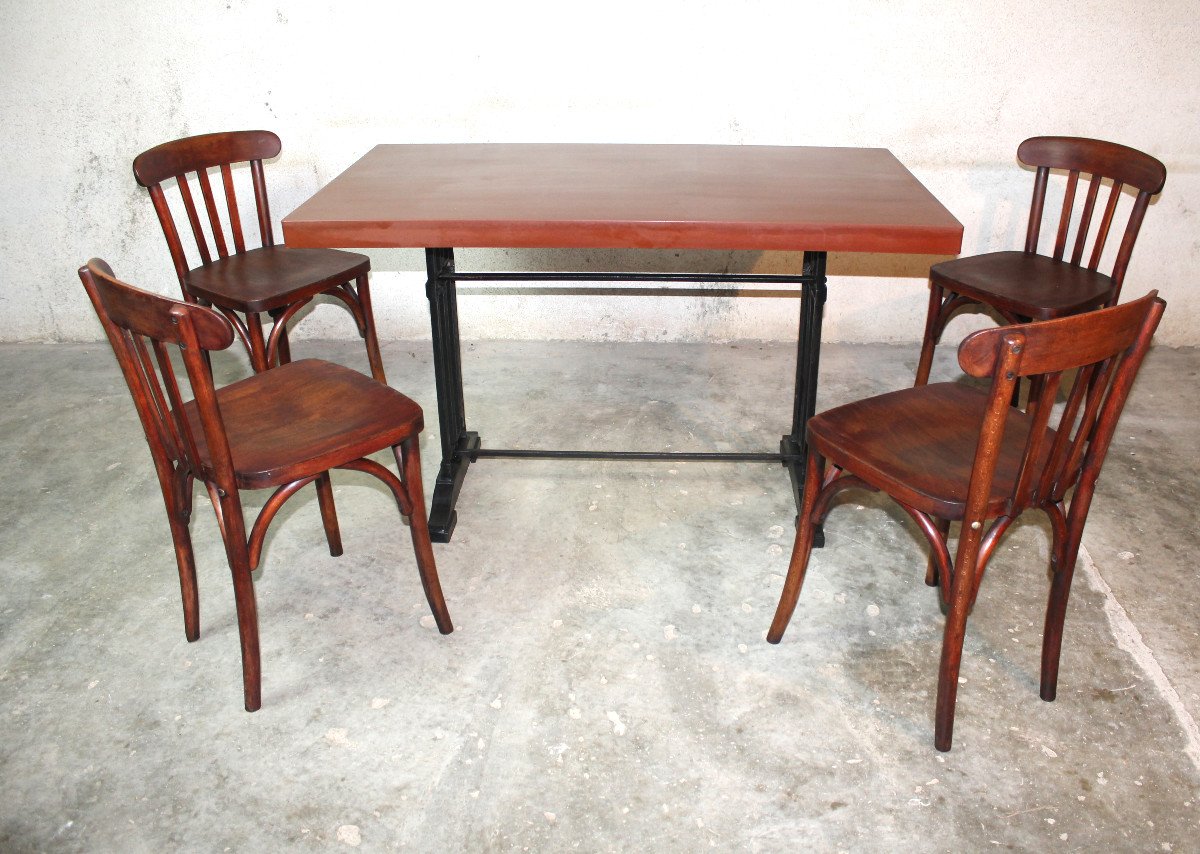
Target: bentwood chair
(246,283)
(949,451)
(1023,286)
(281,429)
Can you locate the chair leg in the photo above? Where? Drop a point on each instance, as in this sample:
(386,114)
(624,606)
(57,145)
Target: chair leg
(368,318)
(1056,606)
(234,533)
(184,557)
(932,578)
(801,550)
(177,496)
(952,646)
(247,612)
(329,514)
(258,345)
(408,456)
(932,334)
(283,349)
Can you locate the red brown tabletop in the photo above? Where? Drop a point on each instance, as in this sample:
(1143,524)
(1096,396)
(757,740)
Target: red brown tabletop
(627,196)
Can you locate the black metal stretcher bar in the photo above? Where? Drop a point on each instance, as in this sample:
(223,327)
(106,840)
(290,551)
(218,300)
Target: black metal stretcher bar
(461,447)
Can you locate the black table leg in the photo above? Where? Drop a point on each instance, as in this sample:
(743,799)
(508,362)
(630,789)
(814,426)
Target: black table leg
(458,444)
(461,447)
(808,355)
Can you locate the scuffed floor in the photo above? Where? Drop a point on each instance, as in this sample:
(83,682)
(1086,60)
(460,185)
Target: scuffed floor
(608,686)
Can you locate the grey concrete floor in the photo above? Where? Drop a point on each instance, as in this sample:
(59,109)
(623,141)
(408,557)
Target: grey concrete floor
(608,686)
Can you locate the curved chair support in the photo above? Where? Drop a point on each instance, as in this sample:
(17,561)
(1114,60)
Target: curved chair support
(239,325)
(939,555)
(839,483)
(277,341)
(265,516)
(1058,530)
(214,496)
(952,304)
(346,294)
(390,480)
(1060,584)
(987,548)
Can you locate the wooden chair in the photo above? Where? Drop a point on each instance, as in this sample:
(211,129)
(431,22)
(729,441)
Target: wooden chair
(1024,286)
(246,283)
(953,452)
(281,429)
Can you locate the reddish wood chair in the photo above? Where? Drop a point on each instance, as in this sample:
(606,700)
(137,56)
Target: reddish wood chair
(1024,286)
(246,283)
(952,452)
(281,429)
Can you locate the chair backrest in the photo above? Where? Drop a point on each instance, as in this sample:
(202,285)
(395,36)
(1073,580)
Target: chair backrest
(196,155)
(1104,348)
(1103,161)
(143,328)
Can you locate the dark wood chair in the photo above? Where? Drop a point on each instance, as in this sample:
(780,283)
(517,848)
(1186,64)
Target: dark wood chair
(246,283)
(1024,286)
(281,429)
(951,452)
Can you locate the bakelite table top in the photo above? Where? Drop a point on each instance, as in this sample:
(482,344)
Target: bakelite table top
(627,196)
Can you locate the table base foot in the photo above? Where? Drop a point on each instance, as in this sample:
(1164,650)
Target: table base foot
(442,515)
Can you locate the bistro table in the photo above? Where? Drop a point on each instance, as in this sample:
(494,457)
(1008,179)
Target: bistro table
(437,197)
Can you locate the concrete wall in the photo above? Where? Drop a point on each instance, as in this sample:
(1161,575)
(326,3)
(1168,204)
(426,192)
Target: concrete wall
(951,88)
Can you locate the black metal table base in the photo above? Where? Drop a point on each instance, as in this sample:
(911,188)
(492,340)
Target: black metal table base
(461,447)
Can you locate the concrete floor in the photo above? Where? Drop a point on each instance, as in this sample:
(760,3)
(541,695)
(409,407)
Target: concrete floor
(608,686)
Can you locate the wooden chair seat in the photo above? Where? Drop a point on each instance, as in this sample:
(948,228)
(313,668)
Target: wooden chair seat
(1026,285)
(273,277)
(302,419)
(918,444)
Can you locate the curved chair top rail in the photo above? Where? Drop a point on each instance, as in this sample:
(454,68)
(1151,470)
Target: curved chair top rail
(1095,157)
(1050,346)
(152,315)
(205,151)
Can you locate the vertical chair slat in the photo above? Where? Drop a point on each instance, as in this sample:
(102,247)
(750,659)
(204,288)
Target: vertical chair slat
(261,203)
(157,407)
(235,220)
(1085,219)
(1056,461)
(1131,232)
(1035,209)
(174,244)
(175,414)
(1096,391)
(1047,387)
(1105,225)
(189,204)
(1060,244)
(214,220)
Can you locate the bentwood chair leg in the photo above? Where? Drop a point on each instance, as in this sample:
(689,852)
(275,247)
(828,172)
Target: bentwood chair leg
(368,317)
(932,334)
(283,350)
(931,569)
(1065,554)
(177,497)
(952,646)
(258,346)
(801,550)
(408,455)
(329,514)
(181,535)
(247,615)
